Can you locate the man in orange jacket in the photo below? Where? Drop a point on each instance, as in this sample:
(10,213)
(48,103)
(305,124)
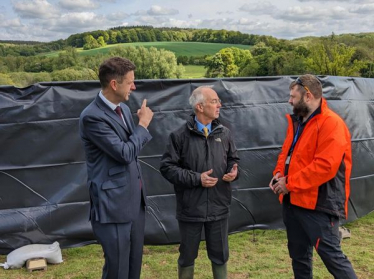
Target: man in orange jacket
(312,180)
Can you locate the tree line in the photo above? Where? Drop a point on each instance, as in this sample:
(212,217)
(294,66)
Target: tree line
(326,56)
(21,71)
(133,34)
(339,55)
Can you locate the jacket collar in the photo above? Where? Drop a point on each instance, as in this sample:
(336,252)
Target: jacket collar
(191,124)
(324,106)
(111,113)
(320,110)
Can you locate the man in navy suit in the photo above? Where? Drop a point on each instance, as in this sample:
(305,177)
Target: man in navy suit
(112,144)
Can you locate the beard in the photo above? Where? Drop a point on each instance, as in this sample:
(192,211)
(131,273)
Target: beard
(301,109)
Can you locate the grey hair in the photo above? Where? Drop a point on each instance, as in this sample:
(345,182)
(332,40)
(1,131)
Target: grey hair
(197,96)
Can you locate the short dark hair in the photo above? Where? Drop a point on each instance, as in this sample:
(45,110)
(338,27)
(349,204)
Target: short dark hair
(308,83)
(114,68)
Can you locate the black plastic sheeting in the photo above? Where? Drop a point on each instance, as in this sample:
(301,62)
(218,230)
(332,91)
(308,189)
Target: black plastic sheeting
(43,193)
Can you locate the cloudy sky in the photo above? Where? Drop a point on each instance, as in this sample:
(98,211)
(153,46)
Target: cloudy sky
(48,20)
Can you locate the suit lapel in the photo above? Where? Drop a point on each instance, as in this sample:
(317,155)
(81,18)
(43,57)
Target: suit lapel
(127,117)
(111,113)
(127,127)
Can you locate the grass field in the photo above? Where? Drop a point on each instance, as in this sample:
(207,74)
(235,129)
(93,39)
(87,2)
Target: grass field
(253,254)
(192,71)
(179,48)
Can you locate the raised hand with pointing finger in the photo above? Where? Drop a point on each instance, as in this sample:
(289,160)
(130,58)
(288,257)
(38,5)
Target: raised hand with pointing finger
(145,114)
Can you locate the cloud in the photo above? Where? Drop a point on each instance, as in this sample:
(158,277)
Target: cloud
(149,20)
(254,26)
(225,13)
(73,5)
(325,0)
(42,20)
(12,23)
(340,1)
(248,22)
(363,9)
(140,13)
(280,30)
(14,29)
(159,11)
(298,13)
(298,30)
(116,18)
(368,25)
(178,23)
(157,21)
(262,8)
(34,9)
(339,14)
(164,22)
(2,9)
(76,22)
(312,14)
(220,23)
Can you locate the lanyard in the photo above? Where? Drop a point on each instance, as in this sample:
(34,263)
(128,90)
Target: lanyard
(295,138)
(298,131)
(293,146)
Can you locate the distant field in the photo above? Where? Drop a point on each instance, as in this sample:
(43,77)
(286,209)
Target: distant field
(192,71)
(179,48)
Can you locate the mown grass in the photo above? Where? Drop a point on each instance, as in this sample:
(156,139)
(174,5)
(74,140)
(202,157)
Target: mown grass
(179,48)
(193,71)
(253,254)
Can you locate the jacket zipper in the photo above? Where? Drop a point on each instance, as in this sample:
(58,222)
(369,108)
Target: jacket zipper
(298,140)
(206,140)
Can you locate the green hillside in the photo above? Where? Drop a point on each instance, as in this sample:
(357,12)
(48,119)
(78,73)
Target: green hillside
(79,56)
(193,71)
(179,48)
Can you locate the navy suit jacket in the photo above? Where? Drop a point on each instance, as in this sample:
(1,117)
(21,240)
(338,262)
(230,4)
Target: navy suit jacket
(114,173)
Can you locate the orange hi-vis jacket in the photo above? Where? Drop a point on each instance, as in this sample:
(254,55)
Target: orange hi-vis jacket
(320,165)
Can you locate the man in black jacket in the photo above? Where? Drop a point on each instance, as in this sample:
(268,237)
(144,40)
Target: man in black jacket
(201,160)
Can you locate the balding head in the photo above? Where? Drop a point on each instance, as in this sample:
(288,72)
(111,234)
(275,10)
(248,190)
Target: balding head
(206,104)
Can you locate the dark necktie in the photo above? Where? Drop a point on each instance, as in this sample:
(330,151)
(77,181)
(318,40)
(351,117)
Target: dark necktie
(118,111)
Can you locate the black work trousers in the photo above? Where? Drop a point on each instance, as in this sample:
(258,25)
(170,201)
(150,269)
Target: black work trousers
(216,236)
(307,228)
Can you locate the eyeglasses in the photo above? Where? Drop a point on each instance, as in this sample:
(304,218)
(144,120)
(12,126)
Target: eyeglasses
(215,101)
(299,82)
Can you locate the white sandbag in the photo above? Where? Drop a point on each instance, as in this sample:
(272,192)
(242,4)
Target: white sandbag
(17,258)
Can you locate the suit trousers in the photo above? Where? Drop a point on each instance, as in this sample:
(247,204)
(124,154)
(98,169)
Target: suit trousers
(216,236)
(122,244)
(307,228)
